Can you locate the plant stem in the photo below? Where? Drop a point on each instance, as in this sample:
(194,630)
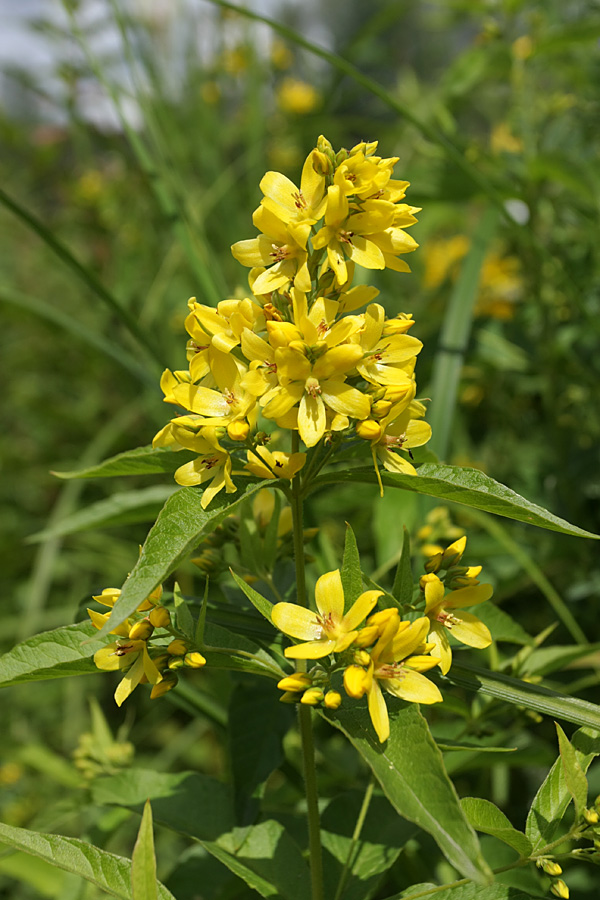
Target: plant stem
(304,712)
(355,837)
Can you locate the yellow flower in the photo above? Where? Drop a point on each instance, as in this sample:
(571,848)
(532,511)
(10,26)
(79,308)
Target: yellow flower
(280,246)
(214,463)
(388,357)
(295,96)
(328,630)
(441,610)
(397,661)
(132,656)
(275,464)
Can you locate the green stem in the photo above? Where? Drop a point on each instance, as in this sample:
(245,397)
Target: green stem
(304,712)
(355,837)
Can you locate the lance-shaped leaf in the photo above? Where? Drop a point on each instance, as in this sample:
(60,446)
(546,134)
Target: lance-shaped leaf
(430,891)
(60,653)
(141,461)
(123,508)
(403,579)
(109,872)
(181,525)
(486,817)
(410,769)
(553,797)
(521,693)
(143,860)
(575,779)
(467,486)
(350,571)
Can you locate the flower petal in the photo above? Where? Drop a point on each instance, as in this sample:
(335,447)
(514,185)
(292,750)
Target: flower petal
(469,596)
(414,687)
(378,712)
(131,680)
(360,609)
(297,621)
(311,650)
(329,596)
(471,631)
(439,637)
(312,419)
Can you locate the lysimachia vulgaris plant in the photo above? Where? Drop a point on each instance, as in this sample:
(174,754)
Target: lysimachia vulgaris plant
(304,383)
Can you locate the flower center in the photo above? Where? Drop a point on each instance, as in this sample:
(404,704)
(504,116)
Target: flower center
(280,253)
(312,387)
(299,201)
(447,619)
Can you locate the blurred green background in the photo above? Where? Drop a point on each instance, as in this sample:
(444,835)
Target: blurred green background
(137,146)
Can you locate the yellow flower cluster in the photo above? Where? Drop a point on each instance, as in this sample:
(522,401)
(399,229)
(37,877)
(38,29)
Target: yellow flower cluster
(298,353)
(130,653)
(385,652)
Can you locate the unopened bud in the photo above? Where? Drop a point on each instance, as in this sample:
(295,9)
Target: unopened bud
(177,648)
(312,697)
(560,889)
(324,146)
(369,430)
(160,617)
(433,564)
(141,631)
(381,408)
(591,816)
(169,680)
(362,658)
(289,697)
(239,430)
(321,163)
(299,681)
(382,617)
(341,156)
(366,636)
(549,866)
(453,553)
(194,660)
(332,699)
(355,682)
(430,578)
(175,662)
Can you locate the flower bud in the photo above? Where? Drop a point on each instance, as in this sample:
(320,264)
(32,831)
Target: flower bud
(433,564)
(324,146)
(591,816)
(312,697)
(355,682)
(381,408)
(341,156)
(383,616)
(366,636)
(332,699)
(160,617)
(299,681)
(369,430)
(238,430)
(141,631)
(177,648)
(453,553)
(362,658)
(430,578)
(550,867)
(194,660)
(289,697)
(175,662)
(559,889)
(169,680)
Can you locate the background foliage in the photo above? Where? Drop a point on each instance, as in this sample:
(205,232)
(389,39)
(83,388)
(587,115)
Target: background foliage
(492,109)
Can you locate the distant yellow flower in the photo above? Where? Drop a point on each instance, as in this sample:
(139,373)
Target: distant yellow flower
(131,656)
(442,611)
(328,630)
(297,97)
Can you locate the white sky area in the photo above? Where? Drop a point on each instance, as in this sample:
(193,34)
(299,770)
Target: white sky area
(39,53)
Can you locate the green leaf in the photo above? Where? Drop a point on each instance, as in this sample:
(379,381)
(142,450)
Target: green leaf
(143,861)
(180,526)
(382,838)
(575,779)
(270,540)
(553,797)
(502,626)
(257,724)
(521,693)
(403,580)
(463,892)
(183,616)
(261,603)
(545,660)
(486,817)
(467,486)
(141,461)
(109,872)
(59,653)
(350,571)
(264,856)
(410,769)
(123,508)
